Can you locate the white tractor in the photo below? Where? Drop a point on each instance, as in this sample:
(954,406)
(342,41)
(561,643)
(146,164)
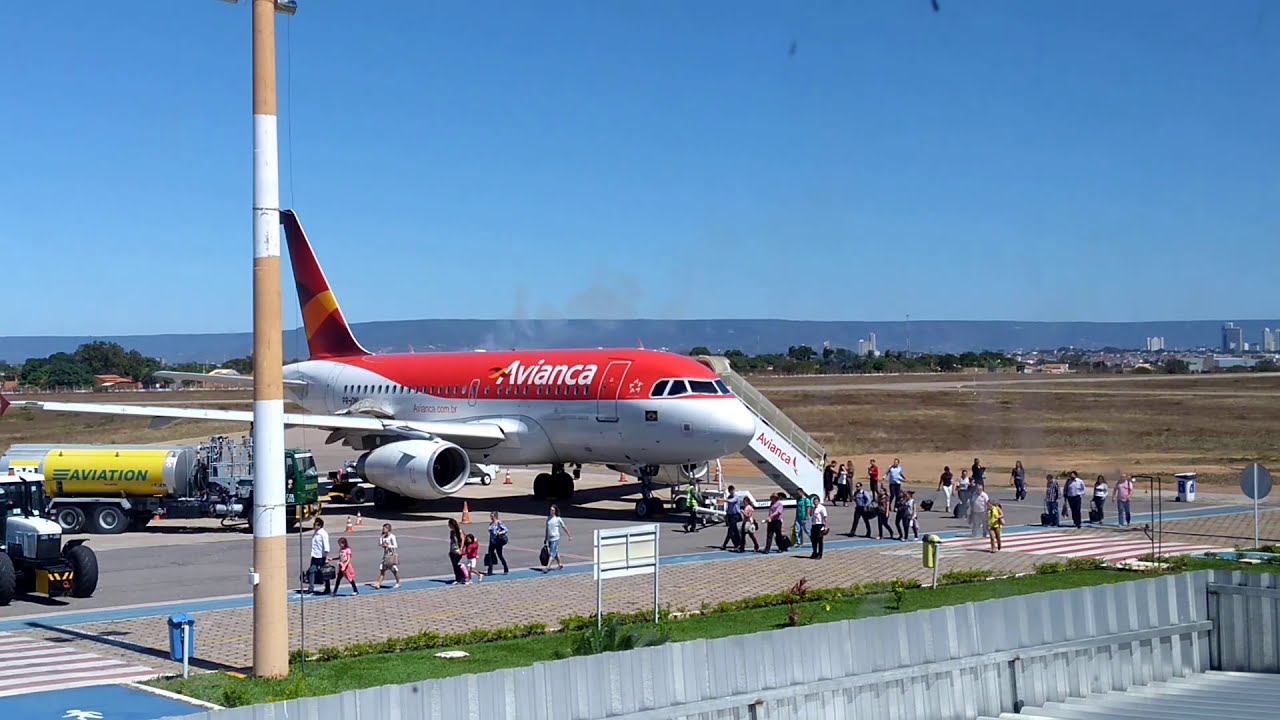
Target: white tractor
(33,558)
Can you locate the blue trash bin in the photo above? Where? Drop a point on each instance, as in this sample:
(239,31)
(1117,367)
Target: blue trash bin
(176,625)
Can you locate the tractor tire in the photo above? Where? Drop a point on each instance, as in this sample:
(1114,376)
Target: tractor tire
(8,580)
(84,568)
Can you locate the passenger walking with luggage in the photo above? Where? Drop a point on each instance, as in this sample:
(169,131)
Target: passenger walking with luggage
(964,489)
(455,552)
(346,568)
(732,520)
(902,517)
(1099,500)
(555,525)
(749,527)
(863,509)
(1052,500)
(319,556)
(1019,475)
(773,525)
(842,485)
(818,531)
(498,537)
(390,557)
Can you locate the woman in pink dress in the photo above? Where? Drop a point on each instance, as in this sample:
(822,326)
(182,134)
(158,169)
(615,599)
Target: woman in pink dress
(346,568)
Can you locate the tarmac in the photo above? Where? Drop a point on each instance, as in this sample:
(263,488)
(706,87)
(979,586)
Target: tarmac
(139,635)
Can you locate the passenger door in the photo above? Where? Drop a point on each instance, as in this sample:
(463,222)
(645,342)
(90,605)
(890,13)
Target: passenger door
(473,392)
(610,389)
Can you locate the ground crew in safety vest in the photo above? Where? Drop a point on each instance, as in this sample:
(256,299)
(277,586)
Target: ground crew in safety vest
(691,525)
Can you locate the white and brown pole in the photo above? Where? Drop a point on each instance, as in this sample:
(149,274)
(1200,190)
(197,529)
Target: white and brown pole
(270,562)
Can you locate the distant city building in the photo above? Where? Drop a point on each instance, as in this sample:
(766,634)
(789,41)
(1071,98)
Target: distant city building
(1270,340)
(1155,344)
(868,346)
(1232,338)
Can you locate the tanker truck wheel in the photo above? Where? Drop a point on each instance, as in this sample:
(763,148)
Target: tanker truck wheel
(109,520)
(71,518)
(8,579)
(84,566)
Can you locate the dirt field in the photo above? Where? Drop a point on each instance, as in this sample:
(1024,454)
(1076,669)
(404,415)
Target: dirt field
(1214,425)
(24,425)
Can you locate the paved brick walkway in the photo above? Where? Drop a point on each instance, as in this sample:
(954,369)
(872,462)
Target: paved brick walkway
(223,641)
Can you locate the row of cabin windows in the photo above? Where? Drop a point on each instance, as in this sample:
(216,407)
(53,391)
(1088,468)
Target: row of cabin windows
(462,390)
(662,388)
(676,388)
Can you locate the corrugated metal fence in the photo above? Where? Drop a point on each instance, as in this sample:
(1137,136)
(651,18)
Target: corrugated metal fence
(1245,610)
(955,662)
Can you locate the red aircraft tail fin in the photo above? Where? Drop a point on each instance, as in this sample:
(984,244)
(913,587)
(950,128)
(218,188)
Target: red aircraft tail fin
(328,334)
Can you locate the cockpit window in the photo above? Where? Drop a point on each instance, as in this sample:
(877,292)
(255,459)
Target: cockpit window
(724,389)
(677,388)
(659,388)
(703,387)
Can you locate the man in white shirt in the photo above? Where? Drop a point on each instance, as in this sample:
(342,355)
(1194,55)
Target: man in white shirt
(1075,495)
(896,476)
(978,525)
(818,530)
(319,556)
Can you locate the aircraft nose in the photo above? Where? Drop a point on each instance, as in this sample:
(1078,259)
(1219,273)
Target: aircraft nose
(738,425)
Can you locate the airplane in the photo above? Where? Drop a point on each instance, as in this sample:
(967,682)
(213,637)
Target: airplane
(421,419)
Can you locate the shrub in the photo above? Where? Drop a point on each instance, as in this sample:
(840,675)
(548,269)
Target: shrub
(962,577)
(614,637)
(1085,564)
(1050,568)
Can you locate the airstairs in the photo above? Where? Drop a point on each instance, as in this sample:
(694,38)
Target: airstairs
(783,451)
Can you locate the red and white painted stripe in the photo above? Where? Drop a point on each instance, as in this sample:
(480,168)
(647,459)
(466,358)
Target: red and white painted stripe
(1112,547)
(32,665)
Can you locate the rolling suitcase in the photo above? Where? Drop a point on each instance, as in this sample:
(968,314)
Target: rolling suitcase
(1046,519)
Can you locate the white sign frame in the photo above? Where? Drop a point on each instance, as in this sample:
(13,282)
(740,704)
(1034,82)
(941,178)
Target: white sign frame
(623,552)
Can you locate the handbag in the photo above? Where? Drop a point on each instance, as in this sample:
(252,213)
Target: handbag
(545,556)
(489,559)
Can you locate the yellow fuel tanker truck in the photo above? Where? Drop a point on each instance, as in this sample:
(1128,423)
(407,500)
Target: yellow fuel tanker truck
(108,489)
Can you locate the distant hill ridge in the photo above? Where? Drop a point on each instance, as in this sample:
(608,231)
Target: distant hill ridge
(750,336)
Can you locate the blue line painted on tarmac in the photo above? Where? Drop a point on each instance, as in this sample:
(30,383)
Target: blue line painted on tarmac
(109,702)
(834,543)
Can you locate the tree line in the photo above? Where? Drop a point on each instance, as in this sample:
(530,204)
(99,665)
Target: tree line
(77,369)
(805,360)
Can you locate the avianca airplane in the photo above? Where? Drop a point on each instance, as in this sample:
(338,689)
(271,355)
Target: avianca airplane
(421,419)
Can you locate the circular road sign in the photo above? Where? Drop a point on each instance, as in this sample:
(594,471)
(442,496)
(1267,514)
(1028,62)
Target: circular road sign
(1263,482)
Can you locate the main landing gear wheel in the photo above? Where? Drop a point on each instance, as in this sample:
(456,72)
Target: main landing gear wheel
(649,507)
(557,485)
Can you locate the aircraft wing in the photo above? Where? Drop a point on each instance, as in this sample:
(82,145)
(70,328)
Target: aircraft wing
(245,381)
(472,435)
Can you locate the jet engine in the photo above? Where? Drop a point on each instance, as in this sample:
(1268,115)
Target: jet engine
(418,469)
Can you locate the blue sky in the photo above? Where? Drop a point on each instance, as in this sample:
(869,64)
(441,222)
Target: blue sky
(1049,160)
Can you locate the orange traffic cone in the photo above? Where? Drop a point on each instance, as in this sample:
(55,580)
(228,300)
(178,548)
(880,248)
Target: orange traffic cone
(348,523)
(359,519)
(622,477)
(508,480)
(466,513)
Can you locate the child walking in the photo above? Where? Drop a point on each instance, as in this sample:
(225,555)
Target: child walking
(346,569)
(995,519)
(471,553)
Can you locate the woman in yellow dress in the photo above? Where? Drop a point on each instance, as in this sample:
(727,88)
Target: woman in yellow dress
(995,520)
